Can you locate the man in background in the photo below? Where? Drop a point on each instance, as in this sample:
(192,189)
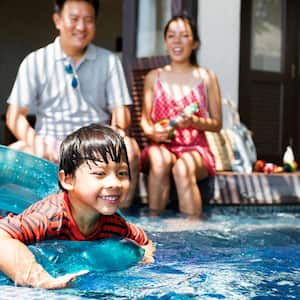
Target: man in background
(68,84)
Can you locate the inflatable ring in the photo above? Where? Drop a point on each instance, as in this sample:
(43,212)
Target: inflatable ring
(65,257)
(25,179)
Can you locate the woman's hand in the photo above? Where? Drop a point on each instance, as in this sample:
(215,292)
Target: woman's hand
(149,253)
(186,121)
(192,121)
(161,134)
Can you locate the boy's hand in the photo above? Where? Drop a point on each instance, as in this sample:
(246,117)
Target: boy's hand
(19,264)
(60,282)
(149,253)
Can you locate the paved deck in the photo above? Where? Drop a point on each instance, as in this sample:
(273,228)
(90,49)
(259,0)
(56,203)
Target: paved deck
(253,189)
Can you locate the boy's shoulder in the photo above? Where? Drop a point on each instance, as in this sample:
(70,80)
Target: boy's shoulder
(50,204)
(117,217)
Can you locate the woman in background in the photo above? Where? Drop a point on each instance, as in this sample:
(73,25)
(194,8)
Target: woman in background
(181,101)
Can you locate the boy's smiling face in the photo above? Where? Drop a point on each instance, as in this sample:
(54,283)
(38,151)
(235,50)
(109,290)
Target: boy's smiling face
(98,187)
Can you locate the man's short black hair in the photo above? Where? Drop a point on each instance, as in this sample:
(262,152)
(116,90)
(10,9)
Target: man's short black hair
(59,4)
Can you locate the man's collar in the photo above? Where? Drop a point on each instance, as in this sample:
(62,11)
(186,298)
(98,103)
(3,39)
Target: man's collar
(90,52)
(59,53)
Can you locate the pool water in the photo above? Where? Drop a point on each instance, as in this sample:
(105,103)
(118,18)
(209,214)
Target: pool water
(233,253)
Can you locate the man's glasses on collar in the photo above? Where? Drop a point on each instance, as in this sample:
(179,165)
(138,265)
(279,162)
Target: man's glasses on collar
(69,69)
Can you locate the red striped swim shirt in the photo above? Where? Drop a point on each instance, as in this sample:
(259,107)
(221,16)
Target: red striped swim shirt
(51,219)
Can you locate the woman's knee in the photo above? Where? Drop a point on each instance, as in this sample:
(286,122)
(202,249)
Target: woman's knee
(160,159)
(184,174)
(183,169)
(190,165)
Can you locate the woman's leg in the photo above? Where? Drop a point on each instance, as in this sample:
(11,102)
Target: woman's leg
(161,161)
(188,169)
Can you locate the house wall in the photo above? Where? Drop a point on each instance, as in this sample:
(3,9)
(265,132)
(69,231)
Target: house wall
(27,26)
(219,29)
(24,28)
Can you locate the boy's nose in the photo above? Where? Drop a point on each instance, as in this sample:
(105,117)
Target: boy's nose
(112,181)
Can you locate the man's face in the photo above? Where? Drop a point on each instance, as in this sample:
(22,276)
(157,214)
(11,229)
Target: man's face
(76,24)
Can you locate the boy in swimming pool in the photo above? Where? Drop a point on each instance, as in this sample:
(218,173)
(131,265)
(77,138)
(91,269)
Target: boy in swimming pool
(94,177)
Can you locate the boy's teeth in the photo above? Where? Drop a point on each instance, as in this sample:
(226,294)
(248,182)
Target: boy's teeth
(110,198)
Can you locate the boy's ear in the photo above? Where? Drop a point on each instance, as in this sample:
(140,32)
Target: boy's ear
(66,181)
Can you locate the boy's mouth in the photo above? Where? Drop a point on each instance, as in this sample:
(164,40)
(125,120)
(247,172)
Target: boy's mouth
(110,198)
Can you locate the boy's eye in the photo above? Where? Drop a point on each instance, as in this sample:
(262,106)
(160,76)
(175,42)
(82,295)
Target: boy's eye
(99,173)
(123,173)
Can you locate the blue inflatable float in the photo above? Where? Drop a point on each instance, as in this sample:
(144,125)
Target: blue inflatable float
(25,179)
(62,257)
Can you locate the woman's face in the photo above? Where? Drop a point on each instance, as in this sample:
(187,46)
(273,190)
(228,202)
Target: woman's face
(179,41)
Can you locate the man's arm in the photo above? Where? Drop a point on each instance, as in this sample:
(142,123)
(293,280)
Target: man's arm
(121,119)
(118,98)
(17,122)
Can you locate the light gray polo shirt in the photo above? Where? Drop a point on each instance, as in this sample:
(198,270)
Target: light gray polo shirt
(44,86)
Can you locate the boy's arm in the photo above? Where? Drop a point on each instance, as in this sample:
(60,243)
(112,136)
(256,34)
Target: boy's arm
(18,263)
(149,253)
(138,235)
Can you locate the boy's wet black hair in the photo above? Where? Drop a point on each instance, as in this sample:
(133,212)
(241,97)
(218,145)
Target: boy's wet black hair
(191,23)
(93,143)
(59,4)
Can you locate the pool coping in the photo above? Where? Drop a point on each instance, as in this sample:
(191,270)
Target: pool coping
(229,188)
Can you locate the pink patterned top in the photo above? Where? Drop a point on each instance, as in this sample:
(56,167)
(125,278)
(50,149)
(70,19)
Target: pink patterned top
(185,139)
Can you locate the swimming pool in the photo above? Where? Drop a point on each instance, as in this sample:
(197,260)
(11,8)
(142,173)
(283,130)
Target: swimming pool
(234,253)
